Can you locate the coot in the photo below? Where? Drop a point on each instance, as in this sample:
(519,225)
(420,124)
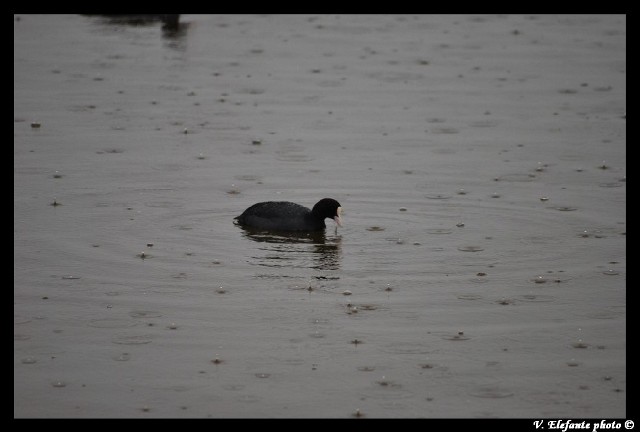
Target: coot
(288,216)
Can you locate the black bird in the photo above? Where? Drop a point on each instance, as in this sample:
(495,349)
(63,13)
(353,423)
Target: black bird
(288,216)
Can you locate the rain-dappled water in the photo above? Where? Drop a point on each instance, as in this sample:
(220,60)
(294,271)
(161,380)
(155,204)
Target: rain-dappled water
(480,163)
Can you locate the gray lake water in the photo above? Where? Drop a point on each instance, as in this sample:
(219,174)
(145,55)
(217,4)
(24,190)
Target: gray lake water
(480,162)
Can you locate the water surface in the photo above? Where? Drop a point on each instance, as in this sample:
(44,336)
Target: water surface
(480,162)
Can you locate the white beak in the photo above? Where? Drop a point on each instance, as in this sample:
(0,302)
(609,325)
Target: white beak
(338,217)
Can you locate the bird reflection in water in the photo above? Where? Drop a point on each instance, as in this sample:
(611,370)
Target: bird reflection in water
(172,27)
(312,250)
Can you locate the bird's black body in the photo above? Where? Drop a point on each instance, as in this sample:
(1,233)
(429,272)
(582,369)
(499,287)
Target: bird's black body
(288,216)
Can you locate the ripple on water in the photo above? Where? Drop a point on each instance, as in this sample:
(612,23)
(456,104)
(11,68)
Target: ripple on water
(248,177)
(491,392)
(599,232)
(550,279)
(370,307)
(563,208)
(131,339)
(122,357)
(469,297)
(168,290)
(164,204)
(541,240)
(517,177)
(234,387)
(439,231)
(479,280)
(249,398)
(505,301)
(604,315)
(292,153)
(539,280)
(437,196)
(470,248)
(611,184)
(536,298)
(17,319)
(182,227)
(456,337)
(112,323)
(592,233)
(385,390)
(144,314)
(444,130)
